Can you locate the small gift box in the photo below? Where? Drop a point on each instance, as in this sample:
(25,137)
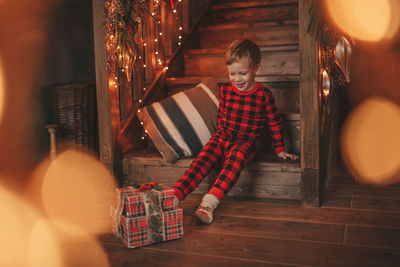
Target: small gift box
(146,217)
(134,203)
(135,230)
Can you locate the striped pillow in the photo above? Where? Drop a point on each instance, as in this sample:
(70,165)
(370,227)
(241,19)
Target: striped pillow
(183,123)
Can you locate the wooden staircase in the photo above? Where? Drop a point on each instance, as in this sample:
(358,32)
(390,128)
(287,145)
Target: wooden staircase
(273,25)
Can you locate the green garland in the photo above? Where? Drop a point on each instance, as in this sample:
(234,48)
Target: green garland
(123,32)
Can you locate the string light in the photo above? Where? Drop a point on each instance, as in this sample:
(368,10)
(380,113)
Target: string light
(326,84)
(158,54)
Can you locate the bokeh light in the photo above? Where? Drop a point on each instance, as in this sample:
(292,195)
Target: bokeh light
(44,248)
(2,86)
(368,20)
(78,189)
(14,227)
(370,141)
(26,238)
(79,247)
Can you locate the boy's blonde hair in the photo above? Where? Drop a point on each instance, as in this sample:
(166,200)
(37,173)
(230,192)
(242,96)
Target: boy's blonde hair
(243,49)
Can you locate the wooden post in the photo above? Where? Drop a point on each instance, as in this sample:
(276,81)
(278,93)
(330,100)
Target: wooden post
(172,30)
(186,16)
(126,96)
(149,49)
(309,108)
(166,38)
(107,96)
(52,129)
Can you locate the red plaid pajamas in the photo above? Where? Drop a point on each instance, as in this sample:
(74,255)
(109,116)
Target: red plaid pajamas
(241,117)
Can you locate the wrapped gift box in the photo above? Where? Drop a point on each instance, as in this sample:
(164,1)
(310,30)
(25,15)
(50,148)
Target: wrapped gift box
(143,218)
(134,203)
(134,230)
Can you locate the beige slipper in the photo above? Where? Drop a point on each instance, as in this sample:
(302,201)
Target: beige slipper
(204,214)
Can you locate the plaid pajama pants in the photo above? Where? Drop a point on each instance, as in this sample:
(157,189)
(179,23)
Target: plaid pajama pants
(230,154)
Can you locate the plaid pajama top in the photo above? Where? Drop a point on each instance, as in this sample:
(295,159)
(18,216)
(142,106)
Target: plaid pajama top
(242,115)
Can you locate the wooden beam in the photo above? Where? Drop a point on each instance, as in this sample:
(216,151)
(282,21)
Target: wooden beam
(107,98)
(166,27)
(309,107)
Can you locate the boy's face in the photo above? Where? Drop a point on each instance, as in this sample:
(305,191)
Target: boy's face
(242,75)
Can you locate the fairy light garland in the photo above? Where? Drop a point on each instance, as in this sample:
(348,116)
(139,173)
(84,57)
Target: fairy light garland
(123,24)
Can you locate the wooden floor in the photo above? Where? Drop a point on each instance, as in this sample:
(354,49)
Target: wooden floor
(358,225)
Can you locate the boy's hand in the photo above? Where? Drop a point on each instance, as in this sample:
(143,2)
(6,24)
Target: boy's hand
(285,155)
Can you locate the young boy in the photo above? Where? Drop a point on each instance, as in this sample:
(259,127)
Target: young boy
(245,107)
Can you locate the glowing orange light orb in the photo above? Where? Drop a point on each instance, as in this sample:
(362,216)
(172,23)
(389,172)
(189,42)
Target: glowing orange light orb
(368,20)
(370,141)
(44,246)
(1,93)
(79,189)
(26,238)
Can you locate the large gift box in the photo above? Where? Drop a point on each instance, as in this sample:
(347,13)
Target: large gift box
(146,217)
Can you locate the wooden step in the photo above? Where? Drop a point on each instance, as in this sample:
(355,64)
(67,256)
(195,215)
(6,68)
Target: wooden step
(189,81)
(265,177)
(252,11)
(264,34)
(286,93)
(219,4)
(236,4)
(276,60)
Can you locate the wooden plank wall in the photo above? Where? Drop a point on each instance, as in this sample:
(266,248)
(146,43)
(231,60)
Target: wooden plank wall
(309,108)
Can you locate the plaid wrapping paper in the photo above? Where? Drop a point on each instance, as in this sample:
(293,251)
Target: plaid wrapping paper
(134,230)
(134,203)
(135,217)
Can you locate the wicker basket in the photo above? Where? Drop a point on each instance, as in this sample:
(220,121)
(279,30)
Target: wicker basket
(74,109)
